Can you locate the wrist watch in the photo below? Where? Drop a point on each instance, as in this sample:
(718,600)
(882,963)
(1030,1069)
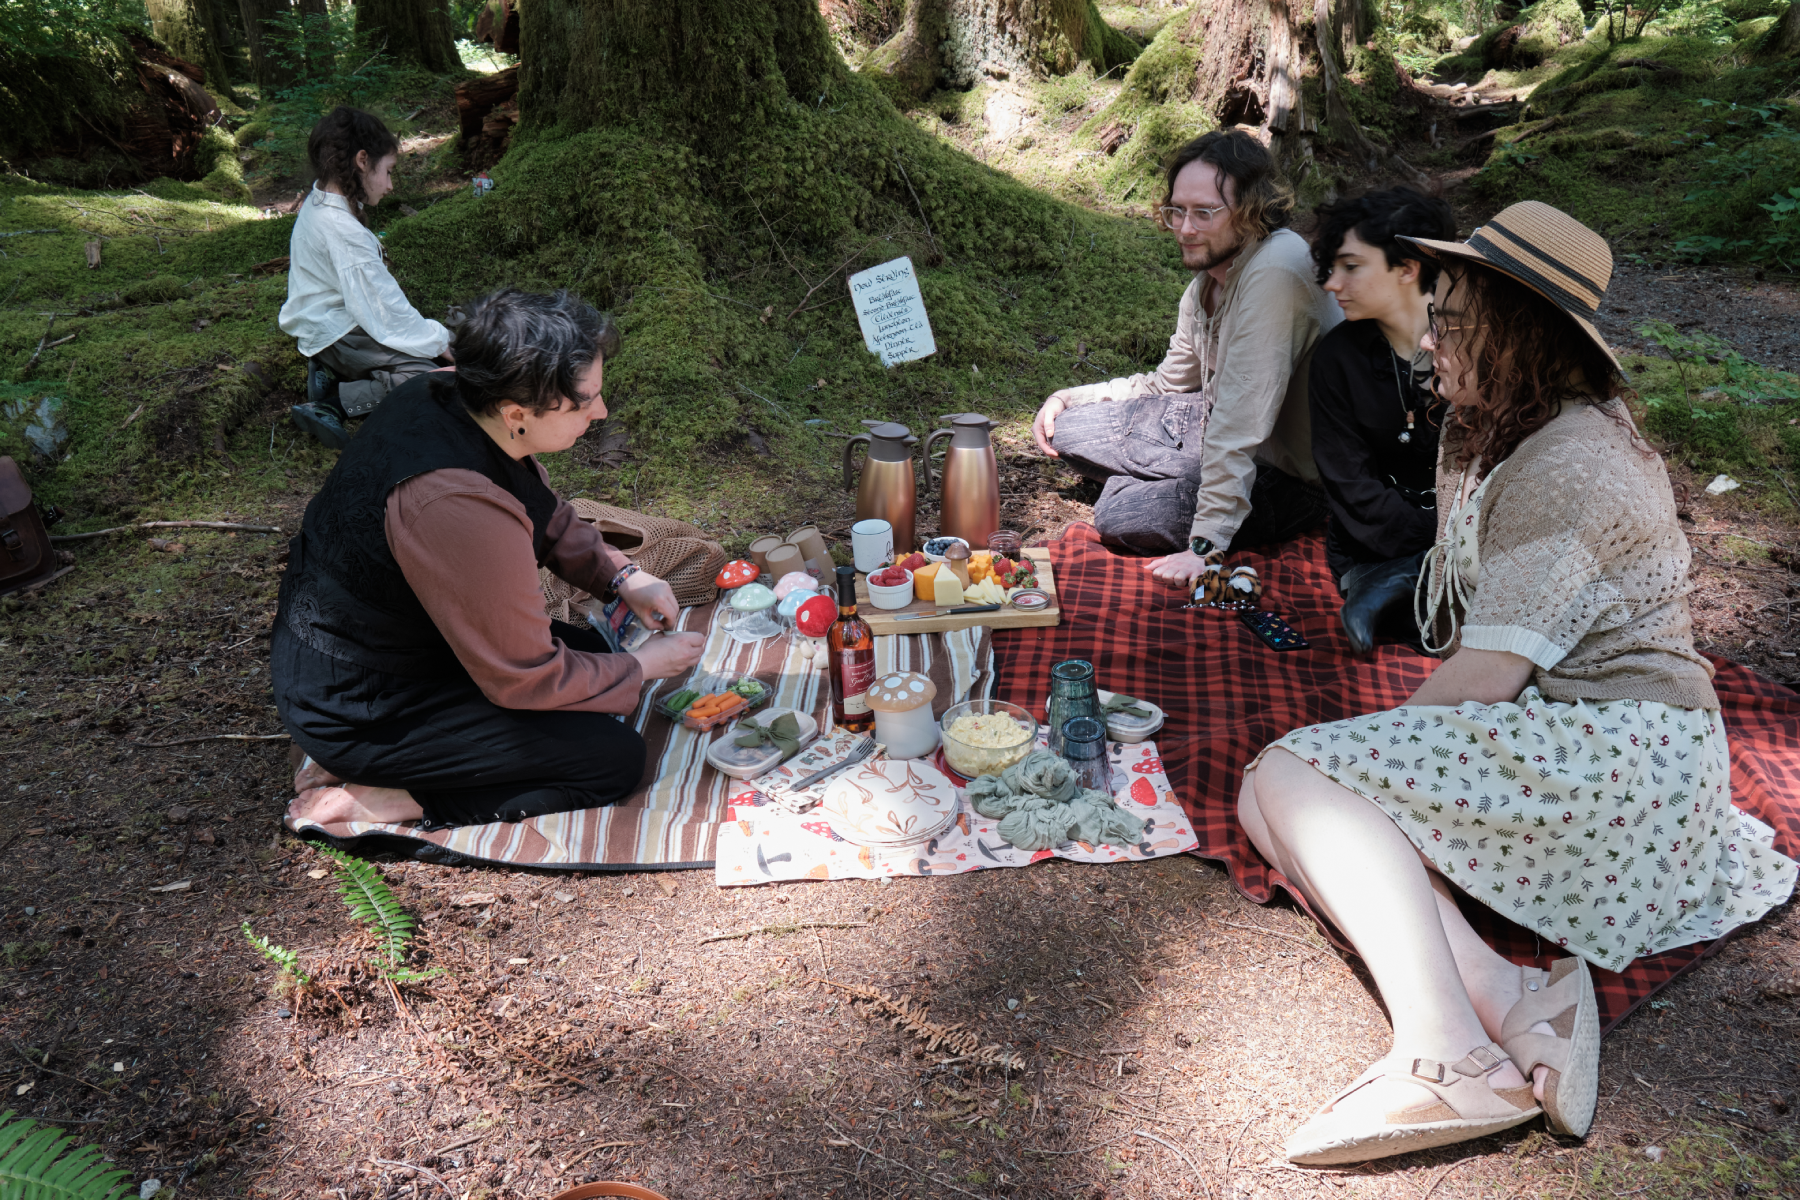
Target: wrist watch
(1200,547)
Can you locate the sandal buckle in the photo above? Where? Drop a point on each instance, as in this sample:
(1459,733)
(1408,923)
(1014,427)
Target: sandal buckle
(1437,1078)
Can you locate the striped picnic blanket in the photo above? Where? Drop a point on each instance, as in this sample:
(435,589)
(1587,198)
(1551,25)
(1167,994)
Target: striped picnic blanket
(672,820)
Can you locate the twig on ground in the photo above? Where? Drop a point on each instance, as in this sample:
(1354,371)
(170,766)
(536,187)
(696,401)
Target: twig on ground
(32,362)
(48,1071)
(232,525)
(850,1141)
(1204,1190)
(793,928)
(431,1175)
(220,737)
(1315,946)
(583,1154)
(1434,1183)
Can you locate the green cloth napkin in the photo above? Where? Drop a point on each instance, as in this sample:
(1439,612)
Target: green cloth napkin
(1127,705)
(783,733)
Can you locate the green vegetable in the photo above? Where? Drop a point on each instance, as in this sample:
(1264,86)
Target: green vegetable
(683,698)
(749,689)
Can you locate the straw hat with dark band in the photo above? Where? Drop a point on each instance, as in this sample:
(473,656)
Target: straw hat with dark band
(1548,251)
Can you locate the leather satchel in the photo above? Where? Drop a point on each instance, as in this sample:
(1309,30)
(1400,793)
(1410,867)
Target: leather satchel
(25,554)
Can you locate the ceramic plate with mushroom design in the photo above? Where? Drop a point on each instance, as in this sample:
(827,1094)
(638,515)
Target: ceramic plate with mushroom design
(890,803)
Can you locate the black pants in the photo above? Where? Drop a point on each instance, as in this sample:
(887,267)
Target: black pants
(1146,451)
(466,760)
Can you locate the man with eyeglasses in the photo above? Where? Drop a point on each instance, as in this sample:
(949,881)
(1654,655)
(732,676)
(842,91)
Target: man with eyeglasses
(1213,448)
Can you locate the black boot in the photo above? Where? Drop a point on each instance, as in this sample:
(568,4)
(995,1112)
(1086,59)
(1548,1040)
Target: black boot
(325,423)
(322,388)
(1378,591)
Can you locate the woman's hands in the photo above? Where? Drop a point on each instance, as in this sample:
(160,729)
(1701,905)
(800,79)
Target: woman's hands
(651,599)
(670,654)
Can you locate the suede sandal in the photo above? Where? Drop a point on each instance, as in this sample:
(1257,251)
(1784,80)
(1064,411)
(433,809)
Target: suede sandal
(1564,999)
(1465,1107)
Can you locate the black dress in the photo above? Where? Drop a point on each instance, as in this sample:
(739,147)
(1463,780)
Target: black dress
(369,687)
(1359,405)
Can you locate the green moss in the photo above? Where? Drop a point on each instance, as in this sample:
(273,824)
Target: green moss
(1154,109)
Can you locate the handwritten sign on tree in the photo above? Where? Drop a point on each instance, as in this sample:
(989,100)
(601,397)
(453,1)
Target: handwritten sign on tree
(892,312)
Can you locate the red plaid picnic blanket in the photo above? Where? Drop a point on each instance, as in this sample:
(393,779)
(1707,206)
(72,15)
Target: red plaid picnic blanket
(1227,696)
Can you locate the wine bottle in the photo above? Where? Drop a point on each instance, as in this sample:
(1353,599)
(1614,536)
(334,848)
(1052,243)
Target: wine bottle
(851,646)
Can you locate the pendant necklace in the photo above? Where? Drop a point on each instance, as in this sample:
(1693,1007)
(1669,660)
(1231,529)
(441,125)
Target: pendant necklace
(1406,435)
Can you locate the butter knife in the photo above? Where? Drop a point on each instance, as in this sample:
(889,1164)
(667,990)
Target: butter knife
(949,612)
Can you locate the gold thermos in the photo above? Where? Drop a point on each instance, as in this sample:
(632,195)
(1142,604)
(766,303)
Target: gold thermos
(970,479)
(887,490)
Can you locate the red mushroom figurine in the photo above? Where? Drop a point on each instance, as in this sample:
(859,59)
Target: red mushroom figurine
(736,573)
(813,619)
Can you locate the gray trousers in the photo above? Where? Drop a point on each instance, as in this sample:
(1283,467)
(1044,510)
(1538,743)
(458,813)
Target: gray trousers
(1146,453)
(367,370)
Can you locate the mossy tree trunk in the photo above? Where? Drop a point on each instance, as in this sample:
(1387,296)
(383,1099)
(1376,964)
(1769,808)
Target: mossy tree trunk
(267,70)
(1786,39)
(1274,65)
(957,42)
(189,29)
(414,31)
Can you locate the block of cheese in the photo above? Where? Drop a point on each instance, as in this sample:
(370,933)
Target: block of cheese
(922,581)
(946,589)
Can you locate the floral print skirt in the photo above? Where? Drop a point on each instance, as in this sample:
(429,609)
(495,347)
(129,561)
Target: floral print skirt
(1605,826)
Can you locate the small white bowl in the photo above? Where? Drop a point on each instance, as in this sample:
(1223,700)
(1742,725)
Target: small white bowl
(938,558)
(898,596)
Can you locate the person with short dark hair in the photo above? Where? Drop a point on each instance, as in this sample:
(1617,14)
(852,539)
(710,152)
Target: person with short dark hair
(412,658)
(1211,449)
(360,335)
(1375,418)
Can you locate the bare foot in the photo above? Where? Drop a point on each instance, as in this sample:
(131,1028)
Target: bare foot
(335,804)
(311,775)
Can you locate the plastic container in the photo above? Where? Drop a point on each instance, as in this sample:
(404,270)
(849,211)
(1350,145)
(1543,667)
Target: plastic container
(718,681)
(970,760)
(898,596)
(739,763)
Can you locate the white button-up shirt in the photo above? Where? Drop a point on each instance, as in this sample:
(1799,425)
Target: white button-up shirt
(337,282)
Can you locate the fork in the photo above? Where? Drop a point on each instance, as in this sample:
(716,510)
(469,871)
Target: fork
(858,752)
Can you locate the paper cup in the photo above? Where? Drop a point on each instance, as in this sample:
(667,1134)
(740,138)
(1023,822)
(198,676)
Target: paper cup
(872,544)
(784,558)
(759,552)
(812,545)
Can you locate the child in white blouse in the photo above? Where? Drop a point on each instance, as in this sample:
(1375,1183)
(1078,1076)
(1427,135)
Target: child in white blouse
(355,326)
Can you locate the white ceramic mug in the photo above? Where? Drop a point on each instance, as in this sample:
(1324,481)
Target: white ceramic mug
(872,544)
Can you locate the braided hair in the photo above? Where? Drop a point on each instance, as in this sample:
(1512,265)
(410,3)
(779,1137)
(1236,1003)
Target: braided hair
(333,146)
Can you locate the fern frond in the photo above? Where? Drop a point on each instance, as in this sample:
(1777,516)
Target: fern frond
(370,900)
(281,956)
(36,1163)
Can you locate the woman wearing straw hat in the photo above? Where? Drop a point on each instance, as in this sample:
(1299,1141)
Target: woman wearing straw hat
(1566,764)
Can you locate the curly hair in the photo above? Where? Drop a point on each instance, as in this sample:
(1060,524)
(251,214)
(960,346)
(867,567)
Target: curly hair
(529,348)
(333,145)
(1528,359)
(1261,199)
(1380,219)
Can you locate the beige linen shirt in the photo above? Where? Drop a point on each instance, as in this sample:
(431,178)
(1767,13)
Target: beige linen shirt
(1251,354)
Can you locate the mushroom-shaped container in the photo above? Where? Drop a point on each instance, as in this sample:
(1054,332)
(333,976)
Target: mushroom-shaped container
(903,719)
(789,605)
(736,573)
(752,607)
(795,581)
(815,616)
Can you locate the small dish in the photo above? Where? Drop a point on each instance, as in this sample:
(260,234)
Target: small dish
(897,595)
(1121,727)
(884,803)
(942,544)
(737,762)
(1029,599)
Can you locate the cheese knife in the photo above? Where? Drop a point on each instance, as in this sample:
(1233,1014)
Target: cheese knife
(949,612)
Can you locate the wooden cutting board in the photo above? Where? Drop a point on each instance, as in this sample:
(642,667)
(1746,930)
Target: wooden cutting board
(881,620)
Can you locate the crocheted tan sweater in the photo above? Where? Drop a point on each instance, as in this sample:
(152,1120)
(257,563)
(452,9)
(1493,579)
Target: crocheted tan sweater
(1584,568)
